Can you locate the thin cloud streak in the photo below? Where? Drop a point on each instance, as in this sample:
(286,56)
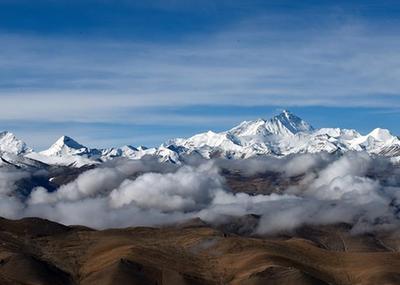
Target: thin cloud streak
(340,63)
(240,67)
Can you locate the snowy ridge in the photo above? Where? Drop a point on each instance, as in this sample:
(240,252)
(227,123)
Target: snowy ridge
(286,134)
(9,143)
(281,135)
(67,151)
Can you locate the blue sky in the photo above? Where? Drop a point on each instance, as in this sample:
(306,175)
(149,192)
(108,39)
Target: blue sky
(110,73)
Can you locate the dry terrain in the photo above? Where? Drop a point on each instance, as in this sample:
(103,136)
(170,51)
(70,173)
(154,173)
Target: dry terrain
(35,251)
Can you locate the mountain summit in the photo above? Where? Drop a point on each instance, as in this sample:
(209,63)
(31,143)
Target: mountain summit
(66,146)
(9,143)
(291,122)
(284,124)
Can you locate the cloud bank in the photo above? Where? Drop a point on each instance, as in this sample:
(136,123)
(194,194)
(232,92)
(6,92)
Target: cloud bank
(353,188)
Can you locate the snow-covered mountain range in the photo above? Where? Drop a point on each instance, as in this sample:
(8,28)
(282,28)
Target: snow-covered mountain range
(279,136)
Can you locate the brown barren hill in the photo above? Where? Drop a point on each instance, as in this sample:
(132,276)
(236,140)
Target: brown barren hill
(35,251)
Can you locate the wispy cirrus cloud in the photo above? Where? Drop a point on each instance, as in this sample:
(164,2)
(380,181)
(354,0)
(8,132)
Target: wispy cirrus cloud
(237,66)
(268,60)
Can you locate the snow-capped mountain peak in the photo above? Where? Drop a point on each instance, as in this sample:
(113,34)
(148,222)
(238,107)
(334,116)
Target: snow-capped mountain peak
(67,151)
(291,122)
(65,146)
(381,134)
(70,142)
(284,124)
(9,143)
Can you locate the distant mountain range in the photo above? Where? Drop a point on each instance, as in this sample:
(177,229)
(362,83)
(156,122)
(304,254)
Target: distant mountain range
(281,135)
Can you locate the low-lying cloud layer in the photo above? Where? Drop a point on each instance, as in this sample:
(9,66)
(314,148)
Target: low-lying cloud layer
(353,188)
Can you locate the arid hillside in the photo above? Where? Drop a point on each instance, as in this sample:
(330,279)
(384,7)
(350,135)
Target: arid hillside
(35,251)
